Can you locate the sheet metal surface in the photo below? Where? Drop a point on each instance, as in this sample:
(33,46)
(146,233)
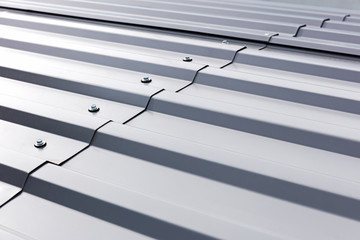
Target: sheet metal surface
(246,141)
(315,28)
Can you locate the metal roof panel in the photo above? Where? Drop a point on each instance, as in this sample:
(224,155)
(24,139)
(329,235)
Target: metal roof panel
(199,16)
(254,136)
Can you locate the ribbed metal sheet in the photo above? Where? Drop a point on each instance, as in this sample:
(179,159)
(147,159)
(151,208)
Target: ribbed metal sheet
(314,28)
(247,141)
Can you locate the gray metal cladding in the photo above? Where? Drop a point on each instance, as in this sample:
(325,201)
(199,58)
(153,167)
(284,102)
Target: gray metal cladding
(14,168)
(246,140)
(314,28)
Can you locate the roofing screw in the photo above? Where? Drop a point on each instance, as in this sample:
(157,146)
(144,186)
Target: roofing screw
(93,108)
(40,143)
(267,34)
(187,59)
(146,80)
(225,42)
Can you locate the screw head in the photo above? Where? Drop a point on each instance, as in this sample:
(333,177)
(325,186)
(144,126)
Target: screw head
(225,42)
(93,108)
(267,34)
(187,59)
(146,80)
(40,143)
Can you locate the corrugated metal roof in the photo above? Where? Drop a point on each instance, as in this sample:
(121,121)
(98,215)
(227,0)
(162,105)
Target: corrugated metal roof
(248,140)
(326,29)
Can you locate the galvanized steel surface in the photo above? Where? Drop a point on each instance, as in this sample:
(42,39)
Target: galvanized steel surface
(248,140)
